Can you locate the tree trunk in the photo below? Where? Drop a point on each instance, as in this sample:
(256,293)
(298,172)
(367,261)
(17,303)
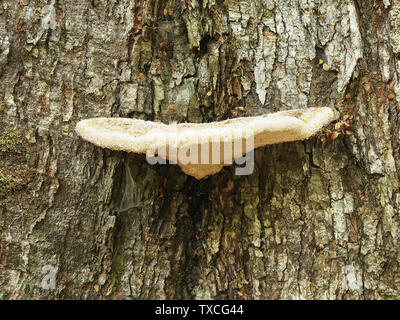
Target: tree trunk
(315,220)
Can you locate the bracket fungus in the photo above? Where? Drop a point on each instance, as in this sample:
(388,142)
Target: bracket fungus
(202,149)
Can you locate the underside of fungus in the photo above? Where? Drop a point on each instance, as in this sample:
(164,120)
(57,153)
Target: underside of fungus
(202,149)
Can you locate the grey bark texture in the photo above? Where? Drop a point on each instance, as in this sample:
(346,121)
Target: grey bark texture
(315,220)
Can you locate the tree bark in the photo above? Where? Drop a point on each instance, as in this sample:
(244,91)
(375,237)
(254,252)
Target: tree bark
(315,220)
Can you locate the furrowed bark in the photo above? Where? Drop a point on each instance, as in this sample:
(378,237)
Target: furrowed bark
(314,221)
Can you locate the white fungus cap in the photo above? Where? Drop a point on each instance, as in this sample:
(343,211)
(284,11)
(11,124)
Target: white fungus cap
(133,135)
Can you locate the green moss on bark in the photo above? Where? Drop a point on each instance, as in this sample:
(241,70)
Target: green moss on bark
(10,140)
(4,178)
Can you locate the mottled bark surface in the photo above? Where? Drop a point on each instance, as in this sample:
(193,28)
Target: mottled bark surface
(314,221)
